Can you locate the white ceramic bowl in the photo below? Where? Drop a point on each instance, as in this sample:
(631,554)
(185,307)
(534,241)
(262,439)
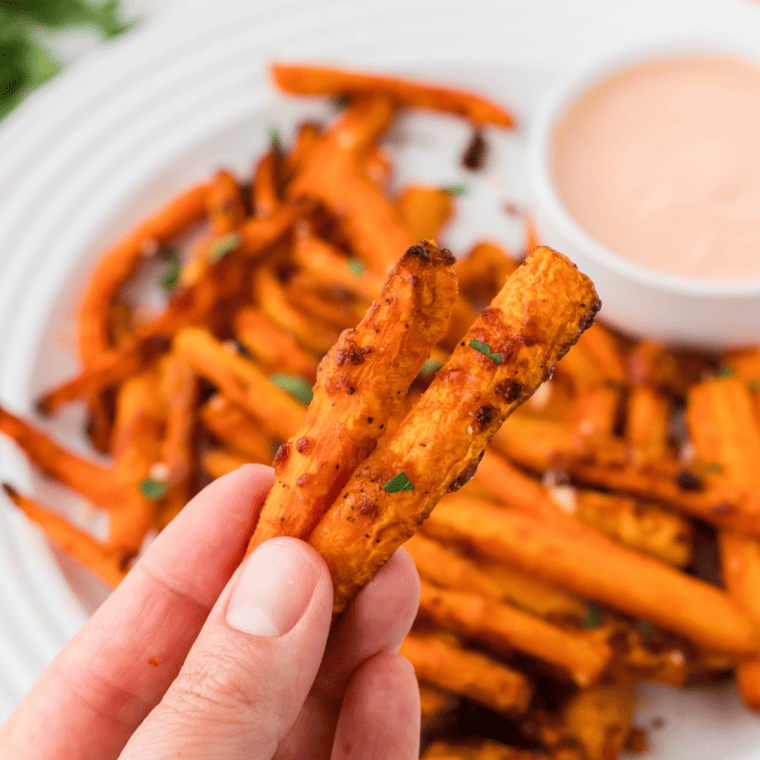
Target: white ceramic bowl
(680,311)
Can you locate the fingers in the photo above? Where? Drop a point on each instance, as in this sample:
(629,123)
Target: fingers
(376,621)
(246,678)
(120,664)
(380,715)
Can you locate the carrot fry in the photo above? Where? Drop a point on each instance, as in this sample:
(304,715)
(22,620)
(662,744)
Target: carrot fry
(310,333)
(445,569)
(377,167)
(273,349)
(612,574)
(332,303)
(116,265)
(139,432)
(231,426)
(74,541)
(219,462)
(483,272)
(505,628)
(318,80)
(725,431)
(602,348)
(307,138)
(504,357)
(597,719)
(424,210)
(93,481)
(646,527)
(241,381)
(323,261)
(359,384)
(432,701)
(224,204)
(265,191)
(594,411)
(646,424)
(481,749)
(468,673)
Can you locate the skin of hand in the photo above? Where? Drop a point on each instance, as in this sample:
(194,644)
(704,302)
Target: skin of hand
(195,655)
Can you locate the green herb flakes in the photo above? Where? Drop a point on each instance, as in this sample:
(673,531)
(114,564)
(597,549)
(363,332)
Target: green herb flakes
(455,190)
(220,248)
(430,366)
(172,273)
(357,267)
(153,489)
(275,138)
(593,617)
(398,483)
(754,385)
(724,371)
(713,467)
(484,349)
(294,386)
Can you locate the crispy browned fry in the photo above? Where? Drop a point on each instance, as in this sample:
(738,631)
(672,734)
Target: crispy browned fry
(241,381)
(224,204)
(139,431)
(478,749)
(646,422)
(306,140)
(462,316)
(74,541)
(450,570)
(231,426)
(432,701)
(116,265)
(219,283)
(640,525)
(483,272)
(359,385)
(601,570)
(265,191)
(598,719)
(323,261)
(425,210)
(89,479)
(310,333)
(218,462)
(746,365)
(468,673)
(179,389)
(272,348)
(504,357)
(105,371)
(532,594)
(599,344)
(377,167)
(505,628)
(594,411)
(319,80)
(330,302)
(725,431)
(581,369)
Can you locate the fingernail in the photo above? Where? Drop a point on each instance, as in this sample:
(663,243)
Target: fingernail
(274,589)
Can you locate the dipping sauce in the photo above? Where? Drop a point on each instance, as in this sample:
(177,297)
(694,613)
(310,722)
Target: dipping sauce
(661,164)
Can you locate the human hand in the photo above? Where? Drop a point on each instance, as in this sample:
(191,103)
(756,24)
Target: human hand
(193,656)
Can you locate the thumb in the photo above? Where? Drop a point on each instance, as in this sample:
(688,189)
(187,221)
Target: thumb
(248,674)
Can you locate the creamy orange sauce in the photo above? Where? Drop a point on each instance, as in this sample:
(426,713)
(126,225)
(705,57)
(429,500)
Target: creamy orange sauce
(661,164)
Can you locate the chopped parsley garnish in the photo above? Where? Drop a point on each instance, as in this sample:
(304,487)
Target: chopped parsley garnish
(341,102)
(357,267)
(153,489)
(398,483)
(754,385)
(275,138)
(430,366)
(484,349)
(455,190)
(713,467)
(593,617)
(294,386)
(724,371)
(172,273)
(220,248)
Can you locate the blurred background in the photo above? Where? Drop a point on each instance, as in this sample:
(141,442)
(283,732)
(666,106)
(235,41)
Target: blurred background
(40,37)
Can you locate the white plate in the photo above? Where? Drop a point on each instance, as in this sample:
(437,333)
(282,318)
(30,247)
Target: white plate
(108,140)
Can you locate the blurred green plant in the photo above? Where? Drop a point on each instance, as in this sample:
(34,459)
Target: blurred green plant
(25,62)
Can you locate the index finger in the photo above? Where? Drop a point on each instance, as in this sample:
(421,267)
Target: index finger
(117,668)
